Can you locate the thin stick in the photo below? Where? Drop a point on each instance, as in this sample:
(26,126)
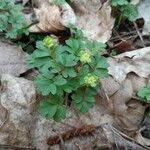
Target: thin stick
(124,35)
(128,138)
(139,34)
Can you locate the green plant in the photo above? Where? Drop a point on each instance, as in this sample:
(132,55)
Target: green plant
(58,2)
(124,10)
(72,69)
(144,93)
(12,20)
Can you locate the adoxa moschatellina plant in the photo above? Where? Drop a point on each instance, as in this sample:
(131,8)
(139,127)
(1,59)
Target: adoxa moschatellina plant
(73,69)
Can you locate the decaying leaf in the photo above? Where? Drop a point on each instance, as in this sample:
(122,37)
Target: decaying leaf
(144,11)
(94,18)
(50,17)
(12,59)
(137,61)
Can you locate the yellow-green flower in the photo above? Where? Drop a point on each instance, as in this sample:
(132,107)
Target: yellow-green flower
(91,80)
(49,41)
(85,57)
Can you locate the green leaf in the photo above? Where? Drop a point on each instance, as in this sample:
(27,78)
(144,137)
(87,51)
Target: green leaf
(144,93)
(12,20)
(76,33)
(60,113)
(58,2)
(102,73)
(53,108)
(61,72)
(45,85)
(119,2)
(39,53)
(102,62)
(69,72)
(95,46)
(67,88)
(59,80)
(130,11)
(73,44)
(47,109)
(70,60)
(82,101)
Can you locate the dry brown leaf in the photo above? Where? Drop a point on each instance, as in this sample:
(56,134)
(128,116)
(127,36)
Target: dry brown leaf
(51,18)
(12,59)
(144,11)
(137,61)
(94,19)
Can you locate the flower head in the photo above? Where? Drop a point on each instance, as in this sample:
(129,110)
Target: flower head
(49,41)
(91,80)
(85,57)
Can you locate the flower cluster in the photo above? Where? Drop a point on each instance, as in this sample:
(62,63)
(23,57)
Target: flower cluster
(85,57)
(91,80)
(49,41)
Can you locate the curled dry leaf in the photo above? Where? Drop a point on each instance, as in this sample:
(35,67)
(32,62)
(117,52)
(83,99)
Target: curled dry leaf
(12,59)
(137,61)
(50,17)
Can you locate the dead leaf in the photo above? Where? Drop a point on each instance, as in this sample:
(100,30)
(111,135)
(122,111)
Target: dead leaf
(12,59)
(51,18)
(137,61)
(144,11)
(94,19)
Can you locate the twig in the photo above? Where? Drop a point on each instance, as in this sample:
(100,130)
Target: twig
(127,137)
(139,34)
(124,35)
(136,98)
